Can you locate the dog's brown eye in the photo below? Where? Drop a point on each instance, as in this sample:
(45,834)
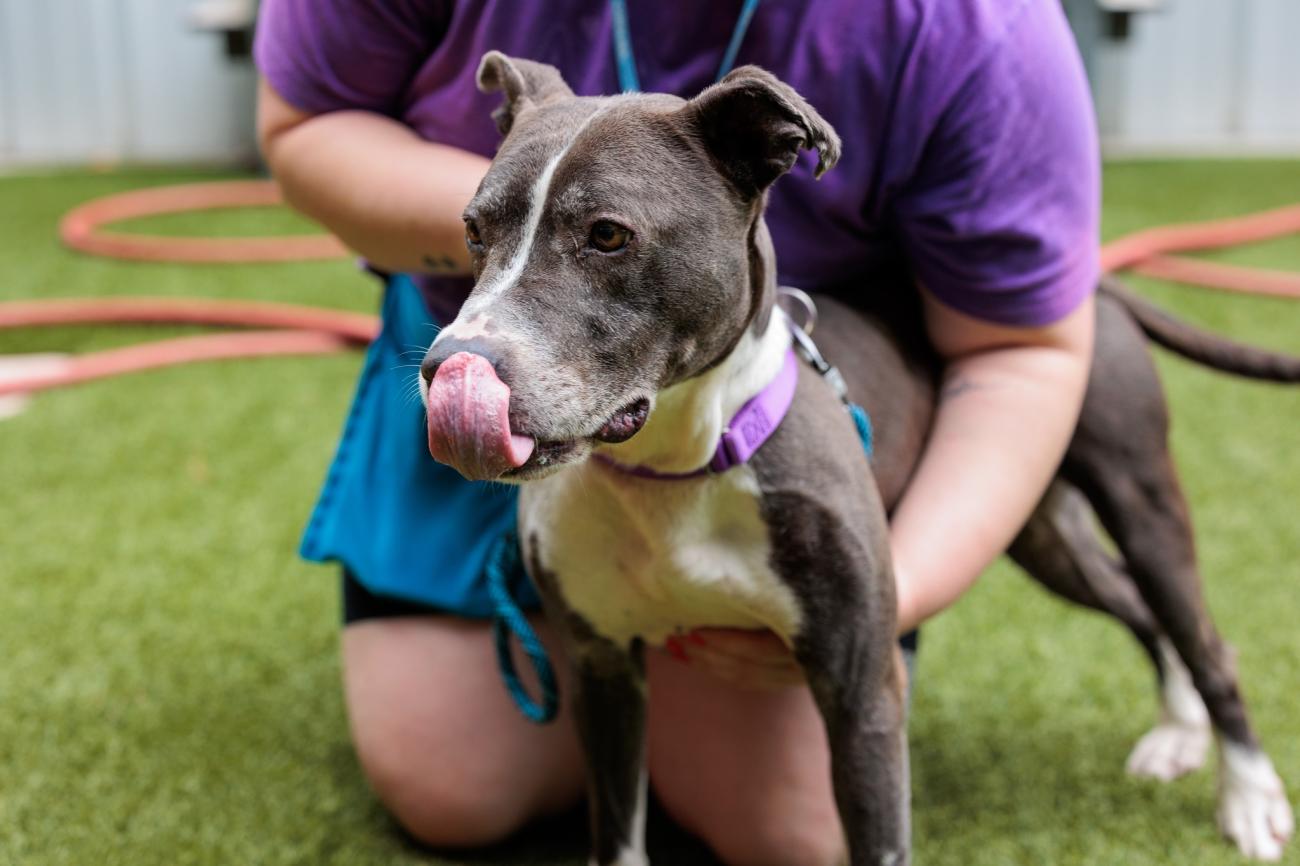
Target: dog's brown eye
(609,237)
(472,238)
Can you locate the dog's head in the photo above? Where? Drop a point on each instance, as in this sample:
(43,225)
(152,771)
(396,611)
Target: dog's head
(618,249)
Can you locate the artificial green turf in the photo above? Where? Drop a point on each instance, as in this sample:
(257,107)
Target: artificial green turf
(169,691)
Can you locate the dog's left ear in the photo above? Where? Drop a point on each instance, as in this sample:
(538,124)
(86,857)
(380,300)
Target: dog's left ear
(755,124)
(526,84)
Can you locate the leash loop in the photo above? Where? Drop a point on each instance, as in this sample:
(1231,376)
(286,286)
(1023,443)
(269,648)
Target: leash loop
(508,620)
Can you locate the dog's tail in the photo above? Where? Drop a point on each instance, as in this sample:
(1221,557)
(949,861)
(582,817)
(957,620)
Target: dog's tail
(1202,346)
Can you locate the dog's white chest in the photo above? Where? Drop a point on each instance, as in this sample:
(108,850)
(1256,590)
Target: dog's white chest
(651,558)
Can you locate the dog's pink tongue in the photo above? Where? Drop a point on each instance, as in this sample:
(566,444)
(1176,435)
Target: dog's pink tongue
(469,422)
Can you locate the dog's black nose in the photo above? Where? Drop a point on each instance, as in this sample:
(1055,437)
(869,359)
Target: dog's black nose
(494,350)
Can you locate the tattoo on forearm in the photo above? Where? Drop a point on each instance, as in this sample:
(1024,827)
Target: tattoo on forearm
(442,263)
(957,387)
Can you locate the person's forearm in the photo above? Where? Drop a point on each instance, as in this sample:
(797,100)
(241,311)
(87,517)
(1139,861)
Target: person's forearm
(1004,420)
(388,194)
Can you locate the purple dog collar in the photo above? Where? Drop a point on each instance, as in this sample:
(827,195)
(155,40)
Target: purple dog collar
(745,434)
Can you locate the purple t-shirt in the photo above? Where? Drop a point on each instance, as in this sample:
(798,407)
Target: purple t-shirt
(970,154)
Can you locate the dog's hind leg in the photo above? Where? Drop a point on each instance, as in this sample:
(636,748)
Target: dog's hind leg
(1119,459)
(1141,505)
(1060,548)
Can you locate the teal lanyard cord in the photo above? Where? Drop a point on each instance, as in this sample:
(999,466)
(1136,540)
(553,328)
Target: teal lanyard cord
(630,82)
(737,37)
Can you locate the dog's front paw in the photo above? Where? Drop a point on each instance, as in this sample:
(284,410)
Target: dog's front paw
(1169,750)
(1253,809)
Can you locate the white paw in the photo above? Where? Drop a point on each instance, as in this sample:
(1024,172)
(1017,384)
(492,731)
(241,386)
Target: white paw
(1253,809)
(1169,750)
(1179,743)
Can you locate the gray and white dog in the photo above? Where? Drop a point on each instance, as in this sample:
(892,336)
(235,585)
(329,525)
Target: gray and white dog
(624,308)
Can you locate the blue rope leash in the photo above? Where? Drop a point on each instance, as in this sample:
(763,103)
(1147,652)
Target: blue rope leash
(509,620)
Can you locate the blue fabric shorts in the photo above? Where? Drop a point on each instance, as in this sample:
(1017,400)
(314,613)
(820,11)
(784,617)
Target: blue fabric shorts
(403,525)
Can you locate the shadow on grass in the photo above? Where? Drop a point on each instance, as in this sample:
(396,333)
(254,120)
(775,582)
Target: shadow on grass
(1055,790)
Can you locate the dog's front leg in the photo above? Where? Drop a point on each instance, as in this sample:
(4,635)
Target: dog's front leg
(863,706)
(609,709)
(834,554)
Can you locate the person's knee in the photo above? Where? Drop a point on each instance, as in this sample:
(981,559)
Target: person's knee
(440,743)
(444,805)
(779,844)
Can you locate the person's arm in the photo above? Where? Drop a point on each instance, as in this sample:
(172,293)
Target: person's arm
(388,194)
(1008,406)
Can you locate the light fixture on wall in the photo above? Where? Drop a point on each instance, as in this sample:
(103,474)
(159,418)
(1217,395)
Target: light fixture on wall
(234,19)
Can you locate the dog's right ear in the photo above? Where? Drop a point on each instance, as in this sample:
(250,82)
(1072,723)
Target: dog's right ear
(526,84)
(755,125)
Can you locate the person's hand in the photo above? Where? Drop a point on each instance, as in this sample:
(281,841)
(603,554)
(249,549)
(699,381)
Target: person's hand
(757,659)
(749,659)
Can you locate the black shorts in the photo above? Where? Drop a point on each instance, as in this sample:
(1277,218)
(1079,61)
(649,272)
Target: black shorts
(360,604)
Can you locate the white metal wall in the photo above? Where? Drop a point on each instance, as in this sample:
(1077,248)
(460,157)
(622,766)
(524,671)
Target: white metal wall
(114,80)
(118,80)
(1203,76)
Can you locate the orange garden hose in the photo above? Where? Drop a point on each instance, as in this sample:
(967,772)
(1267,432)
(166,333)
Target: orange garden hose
(357,328)
(298,330)
(301,330)
(80,227)
(1146,252)
(181,350)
